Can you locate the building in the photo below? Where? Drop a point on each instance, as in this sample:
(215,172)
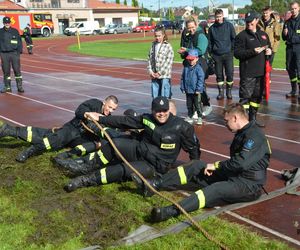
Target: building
(65,12)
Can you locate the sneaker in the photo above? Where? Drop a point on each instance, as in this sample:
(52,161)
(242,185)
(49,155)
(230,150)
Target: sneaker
(199,121)
(189,120)
(206,110)
(195,116)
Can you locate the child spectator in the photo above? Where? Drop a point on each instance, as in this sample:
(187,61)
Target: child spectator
(160,62)
(192,85)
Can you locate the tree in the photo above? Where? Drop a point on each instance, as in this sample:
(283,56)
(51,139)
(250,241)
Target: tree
(170,14)
(117,1)
(281,6)
(134,3)
(125,2)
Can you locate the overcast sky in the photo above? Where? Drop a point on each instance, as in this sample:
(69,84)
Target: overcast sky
(153,4)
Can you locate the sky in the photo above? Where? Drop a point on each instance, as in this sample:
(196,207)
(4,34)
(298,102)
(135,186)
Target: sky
(154,4)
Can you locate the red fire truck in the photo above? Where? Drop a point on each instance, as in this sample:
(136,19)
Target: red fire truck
(41,23)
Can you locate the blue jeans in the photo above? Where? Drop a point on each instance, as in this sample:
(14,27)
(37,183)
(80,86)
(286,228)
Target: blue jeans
(161,87)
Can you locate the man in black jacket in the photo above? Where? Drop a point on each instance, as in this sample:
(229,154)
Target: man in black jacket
(163,137)
(250,48)
(71,133)
(291,36)
(238,179)
(10,50)
(221,37)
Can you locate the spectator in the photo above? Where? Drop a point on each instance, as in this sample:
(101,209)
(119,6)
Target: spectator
(291,36)
(160,62)
(192,85)
(10,50)
(221,37)
(250,48)
(28,39)
(269,24)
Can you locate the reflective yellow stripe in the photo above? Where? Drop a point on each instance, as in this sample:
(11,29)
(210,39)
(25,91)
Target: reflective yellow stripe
(201,198)
(220,83)
(47,143)
(295,79)
(269,146)
(102,157)
(14,41)
(18,77)
(29,134)
(254,104)
(149,124)
(229,83)
(217,164)
(103,175)
(82,149)
(246,106)
(167,146)
(92,156)
(8,78)
(182,175)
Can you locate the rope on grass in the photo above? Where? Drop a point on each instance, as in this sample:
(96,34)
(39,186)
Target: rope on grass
(193,222)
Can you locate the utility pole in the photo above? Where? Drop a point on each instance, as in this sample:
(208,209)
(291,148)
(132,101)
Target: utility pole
(233,11)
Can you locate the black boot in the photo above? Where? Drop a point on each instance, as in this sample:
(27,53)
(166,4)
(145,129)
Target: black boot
(221,92)
(7,86)
(75,167)
(82,181)
(19,85)
(159,214)
(24,155)
(293,91)
(228,91)
(7,130)
(252,117)
(145,190)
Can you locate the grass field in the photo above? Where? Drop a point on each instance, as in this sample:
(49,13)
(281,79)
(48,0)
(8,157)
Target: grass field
(137,49)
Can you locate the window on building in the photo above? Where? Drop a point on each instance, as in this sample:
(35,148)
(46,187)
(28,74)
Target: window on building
(73,1)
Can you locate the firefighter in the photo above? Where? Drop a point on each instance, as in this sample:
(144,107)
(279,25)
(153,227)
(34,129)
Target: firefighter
(251,47)
(163,137)
(291,36)
(10,50)
(28,39)
(238,179)
(71,133)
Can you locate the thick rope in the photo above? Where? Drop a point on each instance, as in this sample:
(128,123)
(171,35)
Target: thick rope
(193,222)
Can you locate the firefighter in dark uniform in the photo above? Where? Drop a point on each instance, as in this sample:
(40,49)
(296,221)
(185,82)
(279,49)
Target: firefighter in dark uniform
(250,48)
(10,50)
(291,36)
(238,179)
(28,39)
(163,137)
(70,134)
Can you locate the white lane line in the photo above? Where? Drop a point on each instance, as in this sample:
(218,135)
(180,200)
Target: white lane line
(267,229)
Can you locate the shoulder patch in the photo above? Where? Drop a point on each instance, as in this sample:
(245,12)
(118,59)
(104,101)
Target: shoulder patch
(249,144)
(264,37)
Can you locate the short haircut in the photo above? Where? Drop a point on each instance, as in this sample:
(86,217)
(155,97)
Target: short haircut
(235,108)
(292,3)
(190,19)
(163,31)
(219,12)
(113,98)
(267,8)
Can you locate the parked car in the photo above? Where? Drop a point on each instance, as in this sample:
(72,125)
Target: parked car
(84,28)
(144,26)
(168,25)
(104,29)
(118,28)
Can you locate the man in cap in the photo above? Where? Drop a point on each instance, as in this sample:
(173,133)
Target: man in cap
(250,48)
(10,50)
(154,153)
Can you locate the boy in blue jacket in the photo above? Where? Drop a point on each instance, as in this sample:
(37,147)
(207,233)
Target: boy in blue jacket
(192,85)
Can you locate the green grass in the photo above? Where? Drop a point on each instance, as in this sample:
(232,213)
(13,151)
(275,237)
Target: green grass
(137,49)
(35,212)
